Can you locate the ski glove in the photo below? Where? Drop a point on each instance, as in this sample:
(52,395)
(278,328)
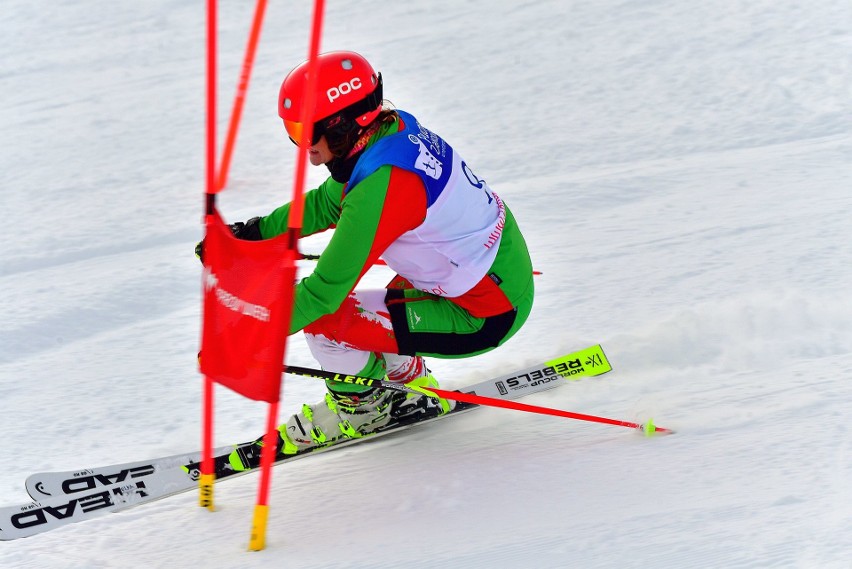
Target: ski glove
(248,231)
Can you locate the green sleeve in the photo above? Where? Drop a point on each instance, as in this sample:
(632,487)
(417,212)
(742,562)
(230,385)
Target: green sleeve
(349,253)
(321,211)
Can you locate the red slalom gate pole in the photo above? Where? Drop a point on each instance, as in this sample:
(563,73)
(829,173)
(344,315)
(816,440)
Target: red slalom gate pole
(208,476)
(294,228)
(257,538)
(239,99)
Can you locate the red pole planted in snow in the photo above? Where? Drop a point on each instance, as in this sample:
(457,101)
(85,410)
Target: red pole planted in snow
(207,478)
(294,227)
(240,97)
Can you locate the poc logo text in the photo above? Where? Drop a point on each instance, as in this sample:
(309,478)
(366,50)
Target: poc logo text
(343,89)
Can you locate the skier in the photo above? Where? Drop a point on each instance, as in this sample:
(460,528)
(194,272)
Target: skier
(397,191)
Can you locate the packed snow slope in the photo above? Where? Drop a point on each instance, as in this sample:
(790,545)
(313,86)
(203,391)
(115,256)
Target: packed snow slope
(681,170)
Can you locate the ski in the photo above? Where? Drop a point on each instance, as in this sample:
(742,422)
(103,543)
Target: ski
(62,498)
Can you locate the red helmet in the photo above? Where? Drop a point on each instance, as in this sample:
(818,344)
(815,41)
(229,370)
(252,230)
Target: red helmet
(349,96)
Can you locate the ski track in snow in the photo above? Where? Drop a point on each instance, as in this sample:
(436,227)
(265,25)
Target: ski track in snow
(681,173)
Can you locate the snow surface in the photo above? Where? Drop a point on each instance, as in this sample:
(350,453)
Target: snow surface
(681,170)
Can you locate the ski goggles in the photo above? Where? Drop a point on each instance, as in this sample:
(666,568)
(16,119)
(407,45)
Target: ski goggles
(295,130)
(333,128)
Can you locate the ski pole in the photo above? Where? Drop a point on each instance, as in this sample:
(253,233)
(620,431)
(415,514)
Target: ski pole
(315,257)
(648,428)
